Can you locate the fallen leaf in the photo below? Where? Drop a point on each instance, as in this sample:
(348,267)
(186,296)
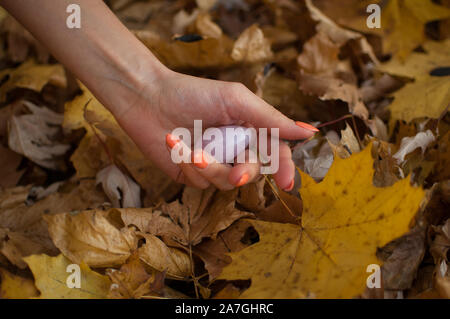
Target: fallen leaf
(34,136)
(251,46)
(409,144)
(120,188)
(51,277)
(9,164)
(345,219)
(22,219)
(202,214)
(21,43)
(91,156)
(189,51)
(94,237)
(324,75)
(16,287)
(403,24)
(132,280)
(174,262)
(214,252)
(32,76)
(428,96)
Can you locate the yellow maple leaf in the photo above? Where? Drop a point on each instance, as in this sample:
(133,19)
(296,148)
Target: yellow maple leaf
(50,274)
(345,219)
(33,76)
(402,21)
(16,287)
(428,95)
(403,24)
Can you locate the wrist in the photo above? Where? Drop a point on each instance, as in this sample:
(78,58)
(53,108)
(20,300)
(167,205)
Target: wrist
(132,81)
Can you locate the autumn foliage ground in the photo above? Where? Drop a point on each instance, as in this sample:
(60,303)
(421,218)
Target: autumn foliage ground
(372,187)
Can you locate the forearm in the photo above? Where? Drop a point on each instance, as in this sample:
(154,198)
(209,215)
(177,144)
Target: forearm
(103,53)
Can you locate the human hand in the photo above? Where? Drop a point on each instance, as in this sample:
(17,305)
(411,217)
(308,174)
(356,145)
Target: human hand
(176,100)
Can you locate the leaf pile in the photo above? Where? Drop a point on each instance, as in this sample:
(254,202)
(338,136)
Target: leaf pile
(373,187)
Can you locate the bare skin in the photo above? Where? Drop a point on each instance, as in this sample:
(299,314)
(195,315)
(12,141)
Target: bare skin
(149,100)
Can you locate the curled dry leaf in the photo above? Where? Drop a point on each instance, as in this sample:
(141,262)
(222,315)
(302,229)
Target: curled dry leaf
(348,144)
(34,136)
(315,165)
(201,214)
(409,144)
(440,246)
(251,46)
(94,237)
(324,75)
(155,253)
(121,190)
(214,252)
(204,26)
(133,281)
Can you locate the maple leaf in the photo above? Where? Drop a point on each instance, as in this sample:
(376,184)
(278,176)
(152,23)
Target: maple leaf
(345,219)
(50,274)
(202,214)
(16,287)
(429,95)
(402,21)
(403,24)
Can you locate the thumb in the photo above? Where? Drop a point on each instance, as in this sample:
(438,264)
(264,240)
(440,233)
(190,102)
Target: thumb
(254,110)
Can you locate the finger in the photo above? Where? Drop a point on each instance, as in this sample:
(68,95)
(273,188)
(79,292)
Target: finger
(212,171)
(247,172)
(188,174)
(246,106)
(284,177)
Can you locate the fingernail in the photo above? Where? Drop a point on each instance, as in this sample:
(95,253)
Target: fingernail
(307,126)
(171,140)
(243,180)
(199,160)
(290,187)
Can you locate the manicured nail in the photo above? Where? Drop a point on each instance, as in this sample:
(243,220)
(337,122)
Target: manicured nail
(290,187)
(199,160)
(307,126)
(171,140)
(243,180)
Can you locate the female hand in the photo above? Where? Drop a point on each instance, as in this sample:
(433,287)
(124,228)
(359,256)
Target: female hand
(176,100)
(147,99)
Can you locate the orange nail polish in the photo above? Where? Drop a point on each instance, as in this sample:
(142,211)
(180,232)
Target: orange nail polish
(290,187)
(171,140)
(199,160)
(243,180)
(307,126)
